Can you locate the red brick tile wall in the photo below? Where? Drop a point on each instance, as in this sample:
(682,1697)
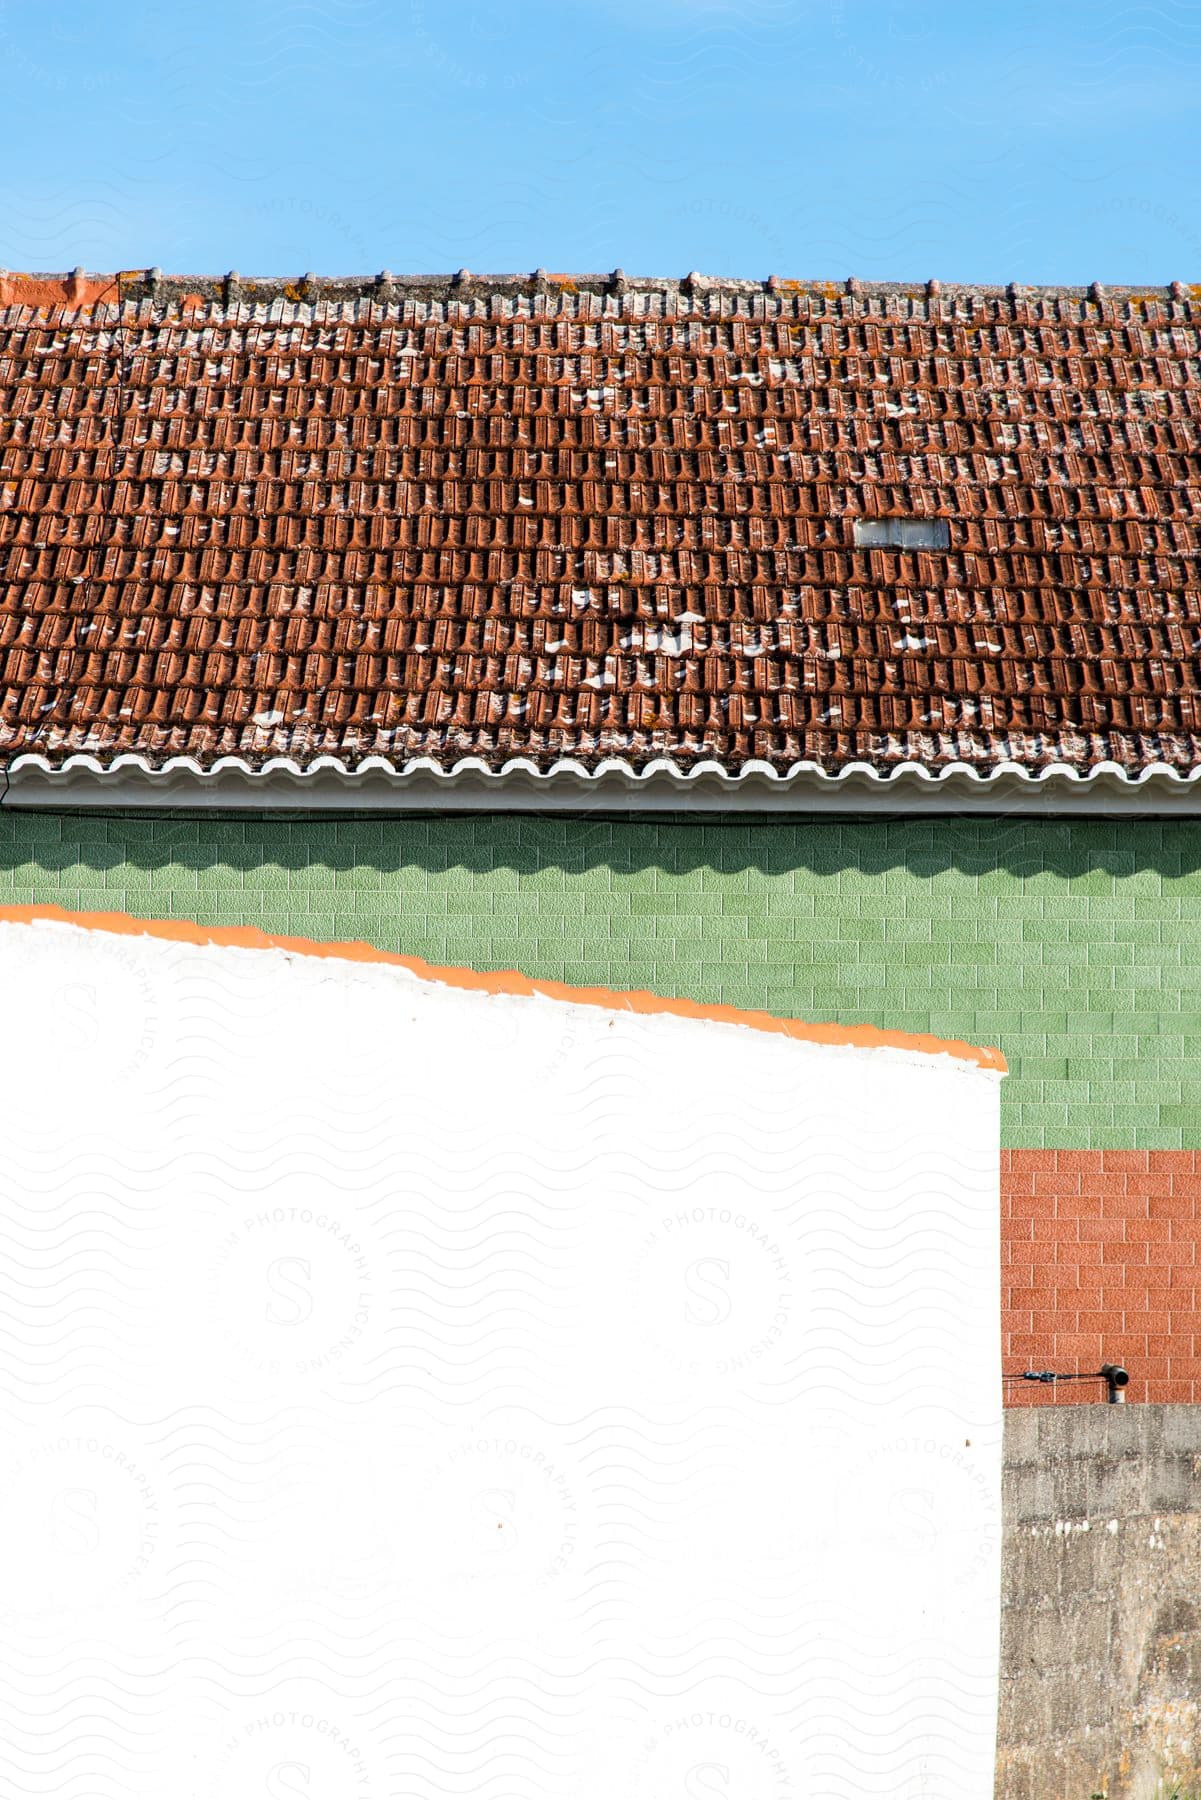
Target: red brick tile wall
(1099,1264)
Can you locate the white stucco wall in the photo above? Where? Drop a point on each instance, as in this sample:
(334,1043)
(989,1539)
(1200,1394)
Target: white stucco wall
(409,1390)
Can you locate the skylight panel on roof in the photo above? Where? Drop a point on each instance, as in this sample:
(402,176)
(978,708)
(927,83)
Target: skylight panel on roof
(902,534)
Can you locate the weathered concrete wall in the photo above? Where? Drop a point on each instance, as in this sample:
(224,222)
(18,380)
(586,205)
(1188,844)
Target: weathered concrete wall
(576,1559)
(1101,1632)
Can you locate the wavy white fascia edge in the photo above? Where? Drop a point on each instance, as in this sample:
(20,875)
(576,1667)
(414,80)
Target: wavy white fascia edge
(612,768)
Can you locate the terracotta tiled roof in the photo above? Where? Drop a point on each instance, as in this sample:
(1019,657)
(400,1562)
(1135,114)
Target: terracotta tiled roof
(591,518)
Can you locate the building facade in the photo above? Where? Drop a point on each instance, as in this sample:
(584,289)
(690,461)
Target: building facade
(531,624)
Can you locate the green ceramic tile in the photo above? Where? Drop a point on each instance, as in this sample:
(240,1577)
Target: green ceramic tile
(1074,947)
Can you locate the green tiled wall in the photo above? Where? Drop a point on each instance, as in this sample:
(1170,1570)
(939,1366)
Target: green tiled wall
(1075,947)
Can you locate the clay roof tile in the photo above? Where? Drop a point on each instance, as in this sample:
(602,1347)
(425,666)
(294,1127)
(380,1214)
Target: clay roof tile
(570,519)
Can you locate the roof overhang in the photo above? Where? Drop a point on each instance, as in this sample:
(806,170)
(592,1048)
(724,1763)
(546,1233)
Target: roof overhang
(230,784)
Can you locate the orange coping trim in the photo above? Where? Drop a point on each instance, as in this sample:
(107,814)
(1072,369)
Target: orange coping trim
(508,981)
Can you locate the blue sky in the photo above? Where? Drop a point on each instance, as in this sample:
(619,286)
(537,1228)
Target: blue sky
(1038,140)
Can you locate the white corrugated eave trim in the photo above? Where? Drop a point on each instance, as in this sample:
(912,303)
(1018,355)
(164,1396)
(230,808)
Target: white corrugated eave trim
(421,783)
